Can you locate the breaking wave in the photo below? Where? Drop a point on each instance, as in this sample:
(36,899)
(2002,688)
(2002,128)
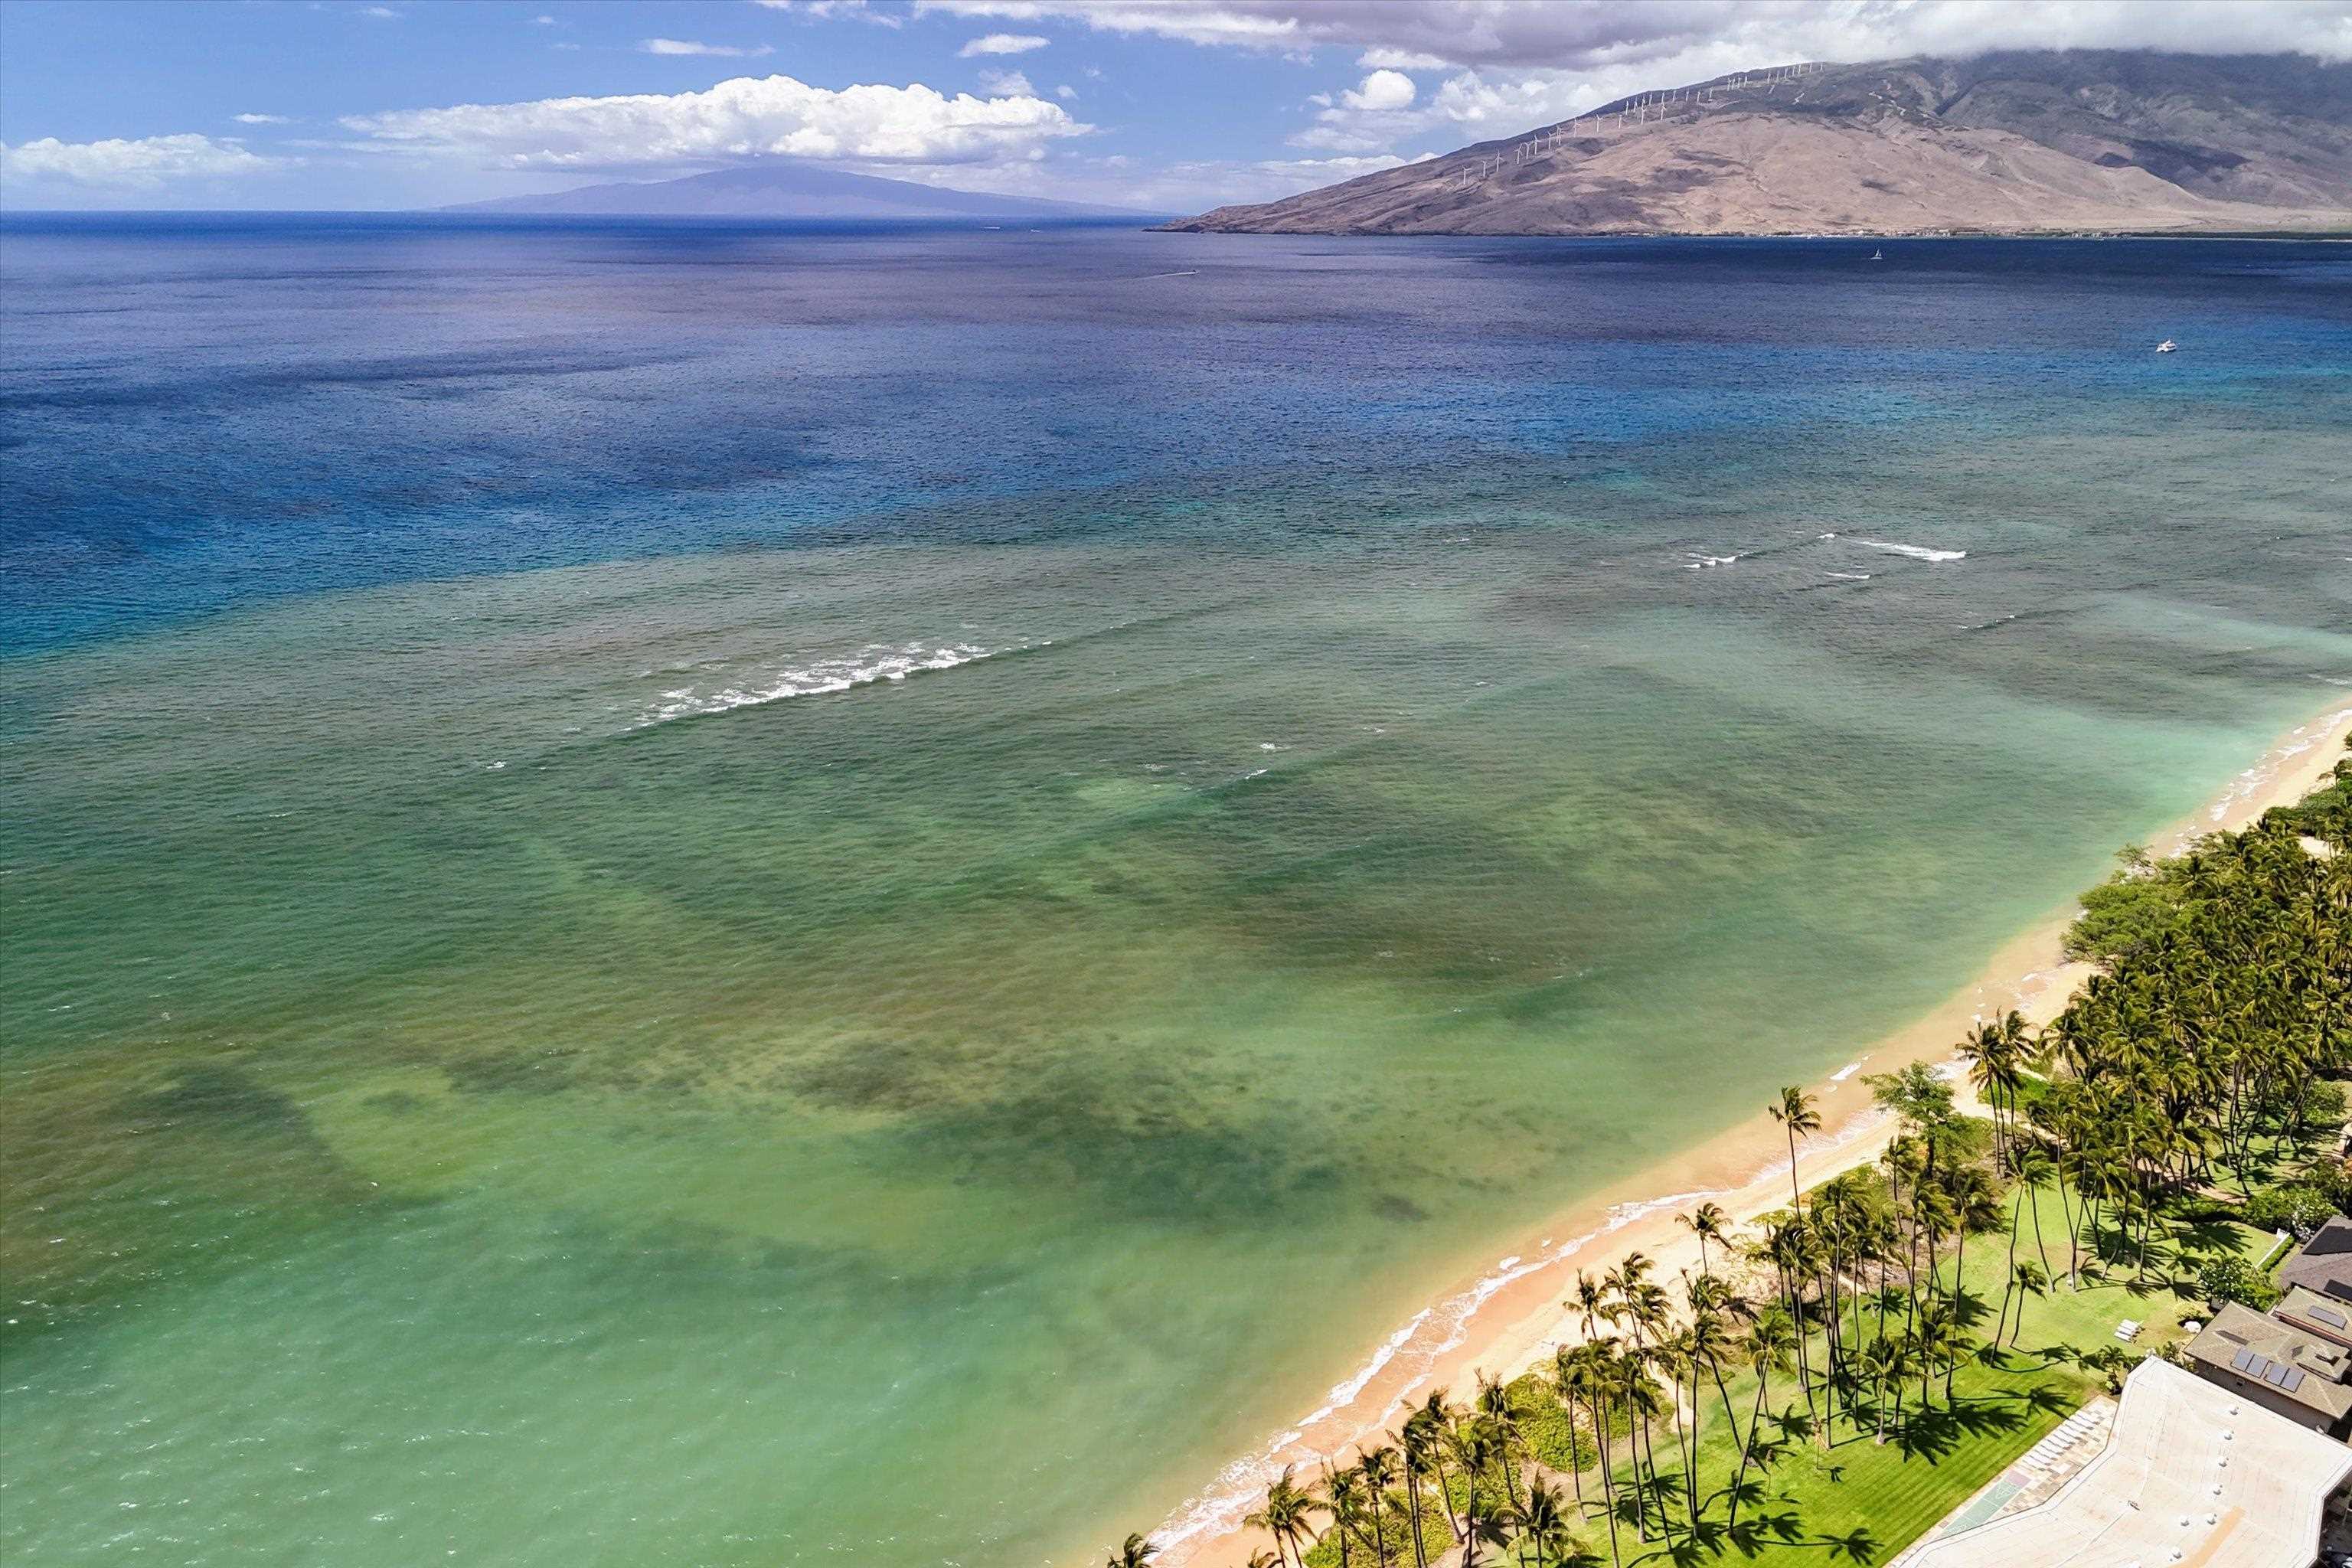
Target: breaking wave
(874,663)
(1917,552)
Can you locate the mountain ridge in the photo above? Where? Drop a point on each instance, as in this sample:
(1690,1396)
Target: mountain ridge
(2006,142)
(781,189)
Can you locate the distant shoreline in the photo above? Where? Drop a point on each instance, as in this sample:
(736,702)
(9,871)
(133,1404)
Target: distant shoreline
(1510,1318)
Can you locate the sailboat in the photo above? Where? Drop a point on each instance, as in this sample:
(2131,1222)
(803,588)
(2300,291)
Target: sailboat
(1878,256)
(2167,346)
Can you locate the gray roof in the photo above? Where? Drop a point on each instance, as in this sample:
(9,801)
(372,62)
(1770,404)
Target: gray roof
(2325,1263)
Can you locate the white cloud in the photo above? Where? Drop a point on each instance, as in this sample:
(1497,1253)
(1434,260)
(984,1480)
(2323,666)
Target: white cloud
(261,119)
(823,9)
(1400,60)
(543,21)
(1003,44)
(1584,36)
(383,13)
(1066,92)
(744,117)
(143,164)
(690,46)
(1007,84)
(1381,93)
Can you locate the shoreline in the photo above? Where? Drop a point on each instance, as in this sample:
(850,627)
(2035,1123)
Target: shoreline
(1509,1319)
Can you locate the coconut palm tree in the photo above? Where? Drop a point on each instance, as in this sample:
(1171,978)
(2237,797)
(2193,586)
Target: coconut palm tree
(1797,1116)
(1542,1523)
(1708,1222)
(1377,1469)
(1765,1348)
(1135,1554)
(1287,1515)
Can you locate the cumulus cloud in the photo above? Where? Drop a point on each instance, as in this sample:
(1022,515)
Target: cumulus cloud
(690,46)
(1586,36)
(1381,91)
(745,117)
(1007,84)
(141,165)
(1066,92)
(383,13)
(1003,44)
(261,119)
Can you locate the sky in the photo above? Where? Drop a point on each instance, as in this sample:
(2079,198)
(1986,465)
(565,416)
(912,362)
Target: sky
(1160,105)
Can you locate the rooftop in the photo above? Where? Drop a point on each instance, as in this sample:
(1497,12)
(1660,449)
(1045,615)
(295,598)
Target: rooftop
(2194,1474)
(2329,1317)
(2296,1363)
(2325,1263)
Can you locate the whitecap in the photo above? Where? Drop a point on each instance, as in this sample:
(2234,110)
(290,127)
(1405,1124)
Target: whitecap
(1917,552)
(820,678)
(1853,576)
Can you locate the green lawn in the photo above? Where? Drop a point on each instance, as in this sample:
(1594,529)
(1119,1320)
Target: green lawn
(1862,1501)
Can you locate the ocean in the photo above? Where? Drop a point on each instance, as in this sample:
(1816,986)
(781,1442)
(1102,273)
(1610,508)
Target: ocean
(773,894)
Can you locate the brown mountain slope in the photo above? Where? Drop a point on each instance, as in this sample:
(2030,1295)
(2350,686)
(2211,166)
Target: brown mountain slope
(2005,144)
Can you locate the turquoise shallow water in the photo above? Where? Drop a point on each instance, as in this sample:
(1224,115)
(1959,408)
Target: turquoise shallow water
(654,966)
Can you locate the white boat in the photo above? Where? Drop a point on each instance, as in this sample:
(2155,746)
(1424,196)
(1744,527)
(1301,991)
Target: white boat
(1878,256)
(2167,346)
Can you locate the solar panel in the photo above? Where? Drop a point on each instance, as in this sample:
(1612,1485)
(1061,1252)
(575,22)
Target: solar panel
(2276,1375)
(2294,1379)
(2243,1359)
(2330,1316)
(2257,1365)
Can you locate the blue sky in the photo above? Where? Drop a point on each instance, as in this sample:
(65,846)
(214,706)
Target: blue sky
(1164,104)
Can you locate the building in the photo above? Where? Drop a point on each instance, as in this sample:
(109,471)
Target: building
(2279,1365)
(2324,1265)
(2193,1474)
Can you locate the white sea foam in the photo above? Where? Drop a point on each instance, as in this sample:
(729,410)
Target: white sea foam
(1699,562)
(1917,552)
(1846,1072)
(1853,576)
(874,663)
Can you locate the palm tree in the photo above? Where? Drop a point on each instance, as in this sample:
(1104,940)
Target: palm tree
(1542,1524)
(1708,1222)
(1796,1114)
(1135,1554)
(1343,1497)
(1287,1516)
(2030,1281)
(1770,1338)
(1415,1449)
(1377,1467)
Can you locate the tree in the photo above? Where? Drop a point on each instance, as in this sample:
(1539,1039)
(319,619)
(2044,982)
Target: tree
(1287,1516)
(1135,1554)
(1708,1222)
(1795,1113)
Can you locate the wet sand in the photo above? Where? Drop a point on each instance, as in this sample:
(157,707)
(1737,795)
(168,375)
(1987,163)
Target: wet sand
(1510,1318)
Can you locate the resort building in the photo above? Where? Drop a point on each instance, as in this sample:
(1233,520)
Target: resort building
(2324,1265)
(2193,1474)
(2278,1364)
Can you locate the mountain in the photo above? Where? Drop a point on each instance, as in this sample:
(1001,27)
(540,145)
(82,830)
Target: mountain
(786,190)
(2012,143)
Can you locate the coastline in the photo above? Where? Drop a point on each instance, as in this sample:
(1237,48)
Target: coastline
(1509,1319)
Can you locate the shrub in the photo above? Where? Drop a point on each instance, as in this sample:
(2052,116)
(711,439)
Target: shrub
(2299,1209)
(2235,1279)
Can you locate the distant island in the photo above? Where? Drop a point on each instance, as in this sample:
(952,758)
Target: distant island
(777,189)
(2019,142)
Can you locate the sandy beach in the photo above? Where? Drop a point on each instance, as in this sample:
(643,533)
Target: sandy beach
(1508,1319)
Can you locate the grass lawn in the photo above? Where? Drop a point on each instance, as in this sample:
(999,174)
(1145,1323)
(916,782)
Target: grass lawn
(1862,1501)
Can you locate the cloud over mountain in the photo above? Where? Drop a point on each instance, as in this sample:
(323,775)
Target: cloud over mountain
(745,117)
